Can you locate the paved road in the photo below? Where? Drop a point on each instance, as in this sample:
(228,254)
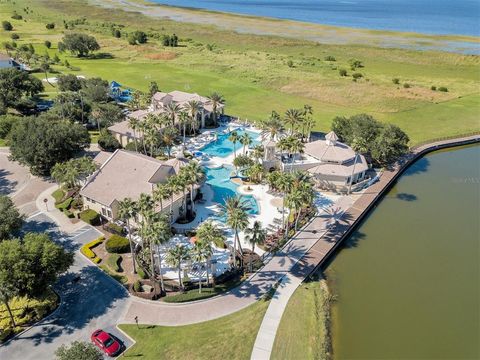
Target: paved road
(95,301)
(23,188)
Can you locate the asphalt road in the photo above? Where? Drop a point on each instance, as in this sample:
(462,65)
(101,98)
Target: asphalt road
(90,300)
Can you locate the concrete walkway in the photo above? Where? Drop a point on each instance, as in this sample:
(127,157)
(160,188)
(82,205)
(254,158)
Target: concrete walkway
(284,261)
(268,329)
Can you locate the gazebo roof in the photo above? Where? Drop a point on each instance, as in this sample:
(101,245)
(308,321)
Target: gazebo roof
(331,136)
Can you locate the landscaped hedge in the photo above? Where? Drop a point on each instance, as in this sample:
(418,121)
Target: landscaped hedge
(114,228)
(117,244)
(65,205)
(88,252)
(114,262)
(90,216)
(58,195)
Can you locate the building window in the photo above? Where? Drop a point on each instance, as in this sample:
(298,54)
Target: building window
(104,212)
(109,213)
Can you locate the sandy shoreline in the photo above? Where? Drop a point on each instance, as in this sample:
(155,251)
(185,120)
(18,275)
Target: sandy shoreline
(293,29)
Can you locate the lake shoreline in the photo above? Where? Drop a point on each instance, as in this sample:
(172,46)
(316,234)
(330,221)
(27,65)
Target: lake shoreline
(325,34)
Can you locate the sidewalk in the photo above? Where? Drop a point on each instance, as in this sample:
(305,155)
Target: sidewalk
(53,213)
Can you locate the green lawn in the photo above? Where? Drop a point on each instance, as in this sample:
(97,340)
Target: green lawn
(302,333)
(252,71)
(229,337)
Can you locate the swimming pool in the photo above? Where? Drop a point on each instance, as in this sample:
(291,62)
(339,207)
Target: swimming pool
(223,147)
(223,187)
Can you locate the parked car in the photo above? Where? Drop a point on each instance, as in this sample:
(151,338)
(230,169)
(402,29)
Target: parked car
(106,342)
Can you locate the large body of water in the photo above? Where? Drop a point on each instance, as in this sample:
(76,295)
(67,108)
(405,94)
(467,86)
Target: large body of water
(408,280)
(459,17)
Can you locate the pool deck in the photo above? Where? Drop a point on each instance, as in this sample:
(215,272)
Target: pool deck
(327,243)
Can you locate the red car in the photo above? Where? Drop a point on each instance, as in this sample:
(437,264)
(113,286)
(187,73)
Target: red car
(108,344)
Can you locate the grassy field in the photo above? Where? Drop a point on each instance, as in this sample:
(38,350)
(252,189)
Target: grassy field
(229,337)
(302,333)
(258,74)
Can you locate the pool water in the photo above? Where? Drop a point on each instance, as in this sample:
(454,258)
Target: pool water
(223,187)
(223,147)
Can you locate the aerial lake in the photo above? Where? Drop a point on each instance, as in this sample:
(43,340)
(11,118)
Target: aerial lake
(459,17)
(408,280)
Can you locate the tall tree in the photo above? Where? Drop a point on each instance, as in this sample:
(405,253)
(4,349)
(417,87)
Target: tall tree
(127,210)
(79,44)
(78,350)
(235,209)
(246,140)
(216,100)
(255,235)
(41,142)
(201,253)
(10,219)
(234,138)
(175,257)
(16,84)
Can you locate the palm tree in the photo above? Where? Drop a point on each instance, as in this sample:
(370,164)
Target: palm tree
(295,146)
(161,234)
(234,137)
(255,235)
(196,175)
(258,152)
(175,187)
(168,136)
(235,210)
(172,110)
(144,205)
(201,253)
(183,183)
(175,257)
(245,140)
(284,183)
(216,100)
(126,211)
(272,127)
(183,120)
(292,118)
(209,233)
(255,172)
(133,123)
(192,108)
(143,127)
(161,193)
(307,122)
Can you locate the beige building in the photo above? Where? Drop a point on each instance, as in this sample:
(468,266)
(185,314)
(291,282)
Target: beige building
(332,163)
(160,100)
(126,174)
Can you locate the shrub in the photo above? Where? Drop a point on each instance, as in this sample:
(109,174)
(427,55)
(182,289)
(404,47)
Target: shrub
(290,63)
(354,64)
(7,26)
(114,228)
(141,273)
(114,262)
(76,204)
(433,88)
(137,37)
(330,58)
(122,279)
(88,252)
(443,89)
(69,214)
(117,33)
(396,81)
(17,16)
(90,216)
(50,26)
(107,142)
(15,36)
(65,205)
(117,244)
(48,44)
(406,86)
(137,286)
(58,195)
(342,72)
(357,76)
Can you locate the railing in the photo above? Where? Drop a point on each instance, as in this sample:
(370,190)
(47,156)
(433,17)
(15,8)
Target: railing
(419,144)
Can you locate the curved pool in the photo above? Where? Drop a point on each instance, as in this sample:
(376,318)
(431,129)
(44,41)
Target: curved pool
(223,147)
(223,187)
